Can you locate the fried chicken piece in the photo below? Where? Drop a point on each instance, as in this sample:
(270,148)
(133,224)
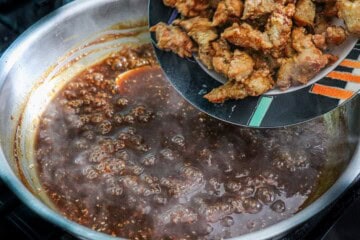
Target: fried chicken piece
(285,2)
(300,40)
(254,9)
(289,50)
(205,55)
(336,35)
(282,50)
(198,28)
(321,24)
(302,68)
(349,10)
(230,90)
(305,65)
(305,13)
(246,36)
(279,27)
(190,8)
(222,56)
(237,65)
(259,82)
(320,41)
(241,66)
(227,9)
(263,61)
(201,30)
(172,38)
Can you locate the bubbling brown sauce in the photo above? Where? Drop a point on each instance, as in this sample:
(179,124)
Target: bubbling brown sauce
(135,160)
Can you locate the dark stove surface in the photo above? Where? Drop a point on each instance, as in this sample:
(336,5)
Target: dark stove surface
(347,228)
(19,222)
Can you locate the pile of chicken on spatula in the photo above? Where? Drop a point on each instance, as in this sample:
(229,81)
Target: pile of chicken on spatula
(258,45)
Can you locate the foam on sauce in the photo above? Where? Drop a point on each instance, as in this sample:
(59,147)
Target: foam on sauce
(135,160)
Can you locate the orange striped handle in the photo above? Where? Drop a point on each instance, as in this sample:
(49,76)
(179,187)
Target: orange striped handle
(350,63)
(348,77)
(331,92)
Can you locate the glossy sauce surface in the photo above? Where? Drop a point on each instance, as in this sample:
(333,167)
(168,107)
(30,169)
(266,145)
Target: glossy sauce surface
(135,160)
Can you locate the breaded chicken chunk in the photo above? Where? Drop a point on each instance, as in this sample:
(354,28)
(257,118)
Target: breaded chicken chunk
(198,28)
(258,83)
(303,66)
(227,9)
(278,28)
(172,38)
(241,66)
(201,30)
(237,65)
(319,41)
(189,8)
(349,10)
(336,34)
(321,24)
(222,56)
(246,36)
(305,13)
(254,9)
(205,54)
(230,90)
(257,44)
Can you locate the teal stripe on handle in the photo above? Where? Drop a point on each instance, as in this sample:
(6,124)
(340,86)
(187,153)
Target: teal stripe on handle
(260,112)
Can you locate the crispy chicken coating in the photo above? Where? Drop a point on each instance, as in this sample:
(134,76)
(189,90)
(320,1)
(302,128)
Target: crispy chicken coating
(279,27)
(205,55)
(300,40)
(198,28)
(349,10)
(201,30)
(241,66)
(235,66)
(246,36)
(321,24)
(319,41)
(189,8)
(336,35)
(222,56)
(172,38)
(227,9)
(305,13)
(267,61)
(258,83)
(251,42)
(230,90)
(303,66)
(254,9)
(289,50)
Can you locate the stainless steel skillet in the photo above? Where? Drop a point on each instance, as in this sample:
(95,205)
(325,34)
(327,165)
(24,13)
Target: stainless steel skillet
(27,83)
